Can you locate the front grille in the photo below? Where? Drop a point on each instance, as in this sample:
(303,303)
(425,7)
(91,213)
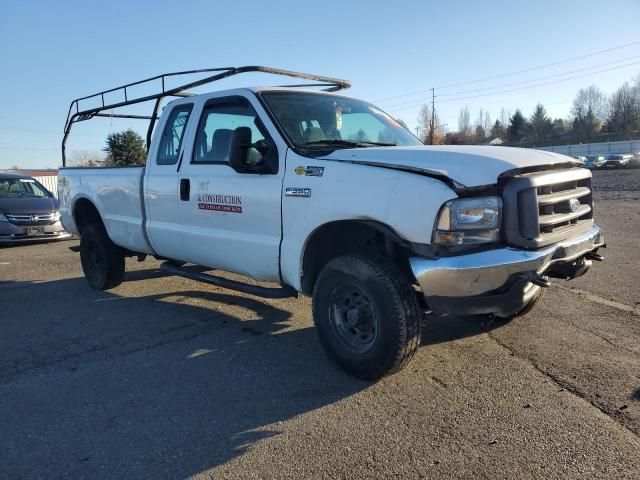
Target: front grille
(542,208)
(32,219)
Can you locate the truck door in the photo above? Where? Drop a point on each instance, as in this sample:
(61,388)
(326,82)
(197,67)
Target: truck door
(228,220)
(161,179)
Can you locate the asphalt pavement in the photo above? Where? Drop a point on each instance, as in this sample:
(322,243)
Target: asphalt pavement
(163,377)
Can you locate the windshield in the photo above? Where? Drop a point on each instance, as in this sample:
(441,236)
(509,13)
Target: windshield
(21,187)
(320,121)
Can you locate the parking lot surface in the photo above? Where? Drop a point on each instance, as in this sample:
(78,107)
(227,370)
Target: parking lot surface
(163,377)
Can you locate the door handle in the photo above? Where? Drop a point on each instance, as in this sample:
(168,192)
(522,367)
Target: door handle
(185,189)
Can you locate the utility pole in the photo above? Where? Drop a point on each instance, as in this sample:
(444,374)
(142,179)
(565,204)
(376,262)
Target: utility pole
(432,127)
(417,131)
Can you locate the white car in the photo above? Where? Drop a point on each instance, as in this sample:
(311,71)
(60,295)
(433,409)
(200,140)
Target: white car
(618,160)
(330,197)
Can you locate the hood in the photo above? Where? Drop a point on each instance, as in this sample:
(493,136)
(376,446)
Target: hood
(467,165)
(24,205)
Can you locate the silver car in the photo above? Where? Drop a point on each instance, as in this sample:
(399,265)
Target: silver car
(28,211)
(595,161)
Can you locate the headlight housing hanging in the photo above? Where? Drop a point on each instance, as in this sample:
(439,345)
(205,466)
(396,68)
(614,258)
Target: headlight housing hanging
(469,221)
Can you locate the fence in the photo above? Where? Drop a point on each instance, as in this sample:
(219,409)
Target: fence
(603,148)
(50,182)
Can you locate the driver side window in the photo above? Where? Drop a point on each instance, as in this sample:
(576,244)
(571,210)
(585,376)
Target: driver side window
(217,124)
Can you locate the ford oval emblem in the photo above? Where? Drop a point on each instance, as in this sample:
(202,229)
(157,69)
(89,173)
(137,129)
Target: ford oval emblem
(574,204)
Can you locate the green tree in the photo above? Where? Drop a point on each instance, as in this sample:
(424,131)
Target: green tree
(125,148)
(498,130)
(539,127)
(558,129)
(360,136)
(517,126)
(585,127)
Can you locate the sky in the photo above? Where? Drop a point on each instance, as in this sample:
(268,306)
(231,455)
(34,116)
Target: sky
(393,52)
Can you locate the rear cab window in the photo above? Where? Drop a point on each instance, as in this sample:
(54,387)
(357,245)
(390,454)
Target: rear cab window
(173,134)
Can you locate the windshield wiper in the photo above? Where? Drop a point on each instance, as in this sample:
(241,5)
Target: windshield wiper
(349,143)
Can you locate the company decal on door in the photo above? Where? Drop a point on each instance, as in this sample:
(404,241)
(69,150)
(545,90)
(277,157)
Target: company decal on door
(220,203)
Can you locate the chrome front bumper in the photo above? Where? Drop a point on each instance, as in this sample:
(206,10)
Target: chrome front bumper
(456,284)
(11,233)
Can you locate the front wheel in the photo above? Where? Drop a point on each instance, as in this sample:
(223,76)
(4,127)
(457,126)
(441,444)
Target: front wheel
(102,260)
(367,315)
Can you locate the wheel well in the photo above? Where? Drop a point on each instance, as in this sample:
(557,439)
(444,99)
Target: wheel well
(347,236)
(85,213)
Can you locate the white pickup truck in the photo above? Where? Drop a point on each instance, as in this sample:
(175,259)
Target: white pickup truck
(330,197)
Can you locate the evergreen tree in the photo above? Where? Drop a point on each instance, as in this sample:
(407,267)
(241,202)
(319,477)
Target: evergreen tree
(516,128)
(585,126)
(539,127)
(558,129)
(125,148)
(498,130)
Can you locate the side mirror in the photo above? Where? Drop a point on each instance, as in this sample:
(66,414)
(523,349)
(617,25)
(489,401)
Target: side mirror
(239,148)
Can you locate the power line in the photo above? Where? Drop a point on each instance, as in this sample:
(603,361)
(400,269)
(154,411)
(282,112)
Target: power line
(28,148)
(504,85)
(493,77)
(520,88)
(540,66)
(545,83)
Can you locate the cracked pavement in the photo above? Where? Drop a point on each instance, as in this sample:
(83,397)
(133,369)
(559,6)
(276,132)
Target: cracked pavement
(165,378)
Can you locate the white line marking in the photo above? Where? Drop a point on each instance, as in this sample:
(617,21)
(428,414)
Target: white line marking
(602,301)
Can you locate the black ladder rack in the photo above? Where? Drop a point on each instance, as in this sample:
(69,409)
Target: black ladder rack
(76,114)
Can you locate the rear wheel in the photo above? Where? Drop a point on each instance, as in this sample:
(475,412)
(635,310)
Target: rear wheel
(367,315)
(102,260)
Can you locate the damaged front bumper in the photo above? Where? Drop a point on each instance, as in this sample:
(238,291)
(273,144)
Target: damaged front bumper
(501,281)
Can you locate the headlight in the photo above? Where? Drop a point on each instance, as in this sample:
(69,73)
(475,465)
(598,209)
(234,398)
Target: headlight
(56,216)
(465,221)
(3,218)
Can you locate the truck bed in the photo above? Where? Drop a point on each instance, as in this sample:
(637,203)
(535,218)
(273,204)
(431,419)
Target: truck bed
(117,194)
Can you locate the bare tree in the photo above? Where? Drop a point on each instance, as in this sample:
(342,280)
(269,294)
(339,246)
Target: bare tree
(482,126)
(625,110)
(486,123)
(504,116)
(403,123)
(464,122)
(590,101)
(424,126)
(86,158)
(424,123)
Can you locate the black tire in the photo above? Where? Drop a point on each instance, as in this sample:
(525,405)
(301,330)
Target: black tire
(102,260)
(531,305)
(380,332)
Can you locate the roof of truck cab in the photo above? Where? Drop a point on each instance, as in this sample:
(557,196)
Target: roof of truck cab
(291,89)
(254,90)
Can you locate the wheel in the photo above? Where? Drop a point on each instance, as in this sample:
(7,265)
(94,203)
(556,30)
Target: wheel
(531,305)
(367,315)
(102,260)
